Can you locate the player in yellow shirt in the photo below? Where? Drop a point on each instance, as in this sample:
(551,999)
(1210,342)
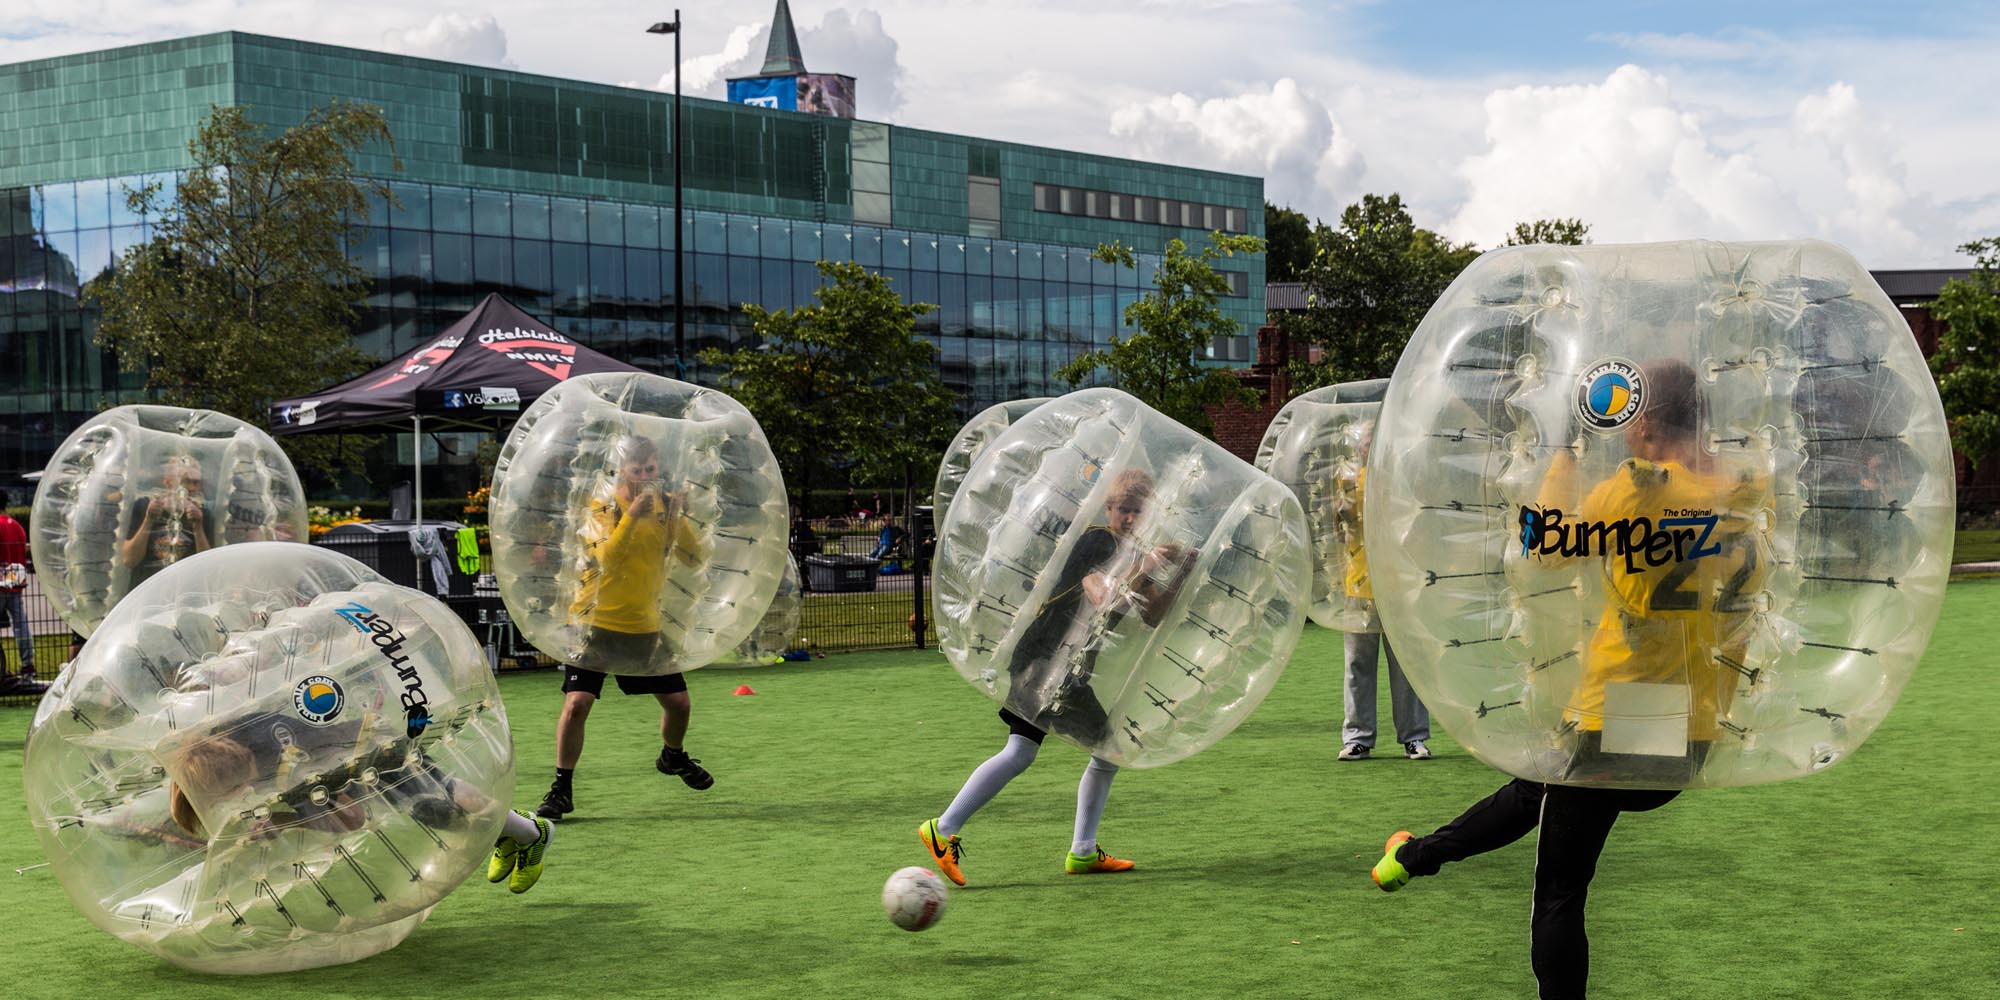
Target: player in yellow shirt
(1672,529)
(1364,650)
(632,537)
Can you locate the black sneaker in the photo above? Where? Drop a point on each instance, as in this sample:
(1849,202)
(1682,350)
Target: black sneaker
(684,767)
(556,803)
(22,683)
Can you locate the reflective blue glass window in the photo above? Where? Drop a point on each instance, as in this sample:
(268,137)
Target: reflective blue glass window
(451,258)
(569,276)
(868,247)
(711,281)
(411,208)
(924,288)
(58,207)
(569,221)
(491,214)
(642,278)
(451,209)
(896,249)
(1006,261)
(836,243)
(531,216)
(121,203)
(93,253)
(607,275)
(743,283)
(607,223)
(743,233)
(951,255)
(531,273)
(93,204)
(492,261)
(775,292)
(642,226)
(923,252)
(711,232)
(409,265)
(978,256)
(951,300)
(1029,262)
(805,241)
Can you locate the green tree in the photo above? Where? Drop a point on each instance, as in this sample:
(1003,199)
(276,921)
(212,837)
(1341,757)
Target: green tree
(1371,282)
(244,294)
(1176,323)
(1567,232)
(1967,361)
(843,383)
(1288,243)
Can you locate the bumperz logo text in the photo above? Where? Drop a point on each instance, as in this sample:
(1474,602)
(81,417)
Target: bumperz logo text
(389,639)
(1685,536)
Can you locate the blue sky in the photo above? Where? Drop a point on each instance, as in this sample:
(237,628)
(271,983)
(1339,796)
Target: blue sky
(1872,125)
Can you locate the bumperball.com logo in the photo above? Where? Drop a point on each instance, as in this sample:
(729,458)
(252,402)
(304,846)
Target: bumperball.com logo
(1610,393)
(318,699)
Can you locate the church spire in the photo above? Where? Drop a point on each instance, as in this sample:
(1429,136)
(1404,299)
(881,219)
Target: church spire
(782,57)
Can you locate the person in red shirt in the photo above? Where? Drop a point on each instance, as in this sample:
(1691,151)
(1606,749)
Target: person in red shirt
(13,610)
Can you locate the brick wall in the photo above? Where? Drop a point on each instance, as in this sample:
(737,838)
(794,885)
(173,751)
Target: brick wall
(1240,428)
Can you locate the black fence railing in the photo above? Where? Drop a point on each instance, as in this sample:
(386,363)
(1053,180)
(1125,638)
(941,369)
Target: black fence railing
(49,637)
(866,582)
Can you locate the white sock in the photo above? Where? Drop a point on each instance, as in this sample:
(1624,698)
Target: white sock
(986,781)
(521,829)
(1091,794)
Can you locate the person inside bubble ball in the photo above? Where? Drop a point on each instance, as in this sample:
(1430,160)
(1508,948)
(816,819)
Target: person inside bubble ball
(1661,628)
(1357,727)
(323,775)
(632,537)
(166,525)
(1104,579)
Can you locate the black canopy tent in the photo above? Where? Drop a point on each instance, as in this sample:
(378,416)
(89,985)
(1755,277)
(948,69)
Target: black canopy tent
(476,375)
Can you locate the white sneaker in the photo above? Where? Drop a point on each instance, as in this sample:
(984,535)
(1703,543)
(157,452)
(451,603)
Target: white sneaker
(1416,750)
(1353,751)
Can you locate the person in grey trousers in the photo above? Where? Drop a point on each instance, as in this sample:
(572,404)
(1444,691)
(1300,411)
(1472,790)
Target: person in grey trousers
(1357,731)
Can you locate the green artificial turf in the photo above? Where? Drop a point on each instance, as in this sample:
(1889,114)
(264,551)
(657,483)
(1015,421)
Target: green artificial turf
(1874,879)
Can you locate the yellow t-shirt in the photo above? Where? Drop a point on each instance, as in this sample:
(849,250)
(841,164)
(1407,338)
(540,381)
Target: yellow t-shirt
(626,562)
(1681,565)
(1357,583)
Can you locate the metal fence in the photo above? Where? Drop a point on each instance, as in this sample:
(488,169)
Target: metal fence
(866,581)
(46,630)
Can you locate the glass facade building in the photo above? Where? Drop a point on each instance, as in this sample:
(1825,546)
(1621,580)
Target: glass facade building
(559,194)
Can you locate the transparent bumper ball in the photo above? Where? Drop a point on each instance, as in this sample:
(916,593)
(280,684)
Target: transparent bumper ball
(269,758)
(968,443)
(1671,515)
(777,633)
(1317,445)
(1120,581)
(638,524)
(138,488)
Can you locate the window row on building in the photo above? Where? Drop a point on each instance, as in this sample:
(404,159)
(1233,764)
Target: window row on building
(1139,208)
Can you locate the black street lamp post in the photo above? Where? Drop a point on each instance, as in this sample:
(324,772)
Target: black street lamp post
(680,233)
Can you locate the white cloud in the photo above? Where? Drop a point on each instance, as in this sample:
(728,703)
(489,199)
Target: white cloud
(1282,134)
(1632,159)
(852,43)
(454,37)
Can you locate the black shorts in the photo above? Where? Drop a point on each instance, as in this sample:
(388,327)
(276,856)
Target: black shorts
(579,679)
(1018,726)
(605,650)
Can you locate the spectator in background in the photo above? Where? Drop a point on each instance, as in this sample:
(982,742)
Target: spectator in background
(13,608)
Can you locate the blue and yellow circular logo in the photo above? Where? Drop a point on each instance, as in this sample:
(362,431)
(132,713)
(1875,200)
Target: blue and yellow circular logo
(1610,393)
(318,699)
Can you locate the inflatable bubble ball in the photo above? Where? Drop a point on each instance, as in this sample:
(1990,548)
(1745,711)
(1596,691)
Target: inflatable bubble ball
(138,488)
(1317,445)
(269,758)
(1120,581)
(968,443)
(1673,515)
(778,632)
(638,524)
